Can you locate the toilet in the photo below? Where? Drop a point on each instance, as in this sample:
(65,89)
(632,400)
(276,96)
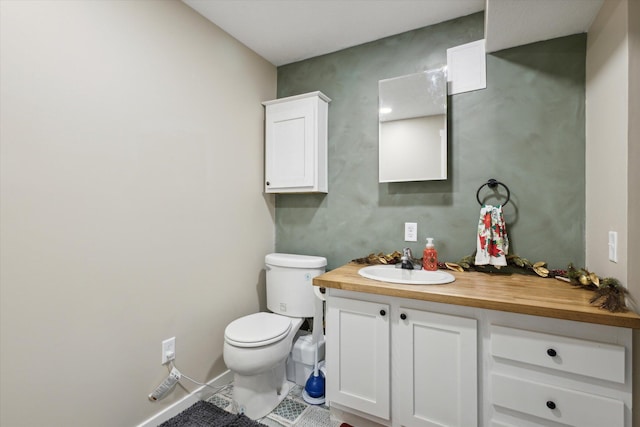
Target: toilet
(256,346)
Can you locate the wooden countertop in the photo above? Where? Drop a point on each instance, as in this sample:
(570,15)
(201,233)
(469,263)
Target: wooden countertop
(516,293)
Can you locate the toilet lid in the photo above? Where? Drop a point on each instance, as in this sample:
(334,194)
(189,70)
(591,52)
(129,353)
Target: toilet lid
(257,329)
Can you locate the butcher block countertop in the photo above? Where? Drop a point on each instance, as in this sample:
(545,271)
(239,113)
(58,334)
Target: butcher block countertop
(516,293)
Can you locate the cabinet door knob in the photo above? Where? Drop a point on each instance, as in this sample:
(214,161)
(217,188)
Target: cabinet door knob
(268,183)
(382,312)
(403,316)
(551,404)
(551,352)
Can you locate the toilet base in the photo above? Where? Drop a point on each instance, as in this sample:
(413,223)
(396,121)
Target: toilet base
(258,395)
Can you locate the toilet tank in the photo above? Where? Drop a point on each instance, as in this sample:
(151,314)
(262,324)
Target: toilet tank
(289,283)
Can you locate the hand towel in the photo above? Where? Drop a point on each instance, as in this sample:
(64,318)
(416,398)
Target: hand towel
(493,243)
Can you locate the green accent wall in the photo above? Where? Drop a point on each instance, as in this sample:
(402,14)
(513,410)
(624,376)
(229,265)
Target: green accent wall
(526,129)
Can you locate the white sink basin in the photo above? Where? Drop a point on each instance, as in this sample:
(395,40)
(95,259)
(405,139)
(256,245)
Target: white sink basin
(389,273)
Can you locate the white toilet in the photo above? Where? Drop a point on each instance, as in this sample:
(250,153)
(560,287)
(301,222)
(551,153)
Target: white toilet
(256,346)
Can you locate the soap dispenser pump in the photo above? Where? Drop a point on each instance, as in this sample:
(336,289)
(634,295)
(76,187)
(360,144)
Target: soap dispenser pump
(430,256)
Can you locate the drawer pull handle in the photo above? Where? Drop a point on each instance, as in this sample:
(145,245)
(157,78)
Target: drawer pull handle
(403,316)
(382,312)
(551,404)
(551,352)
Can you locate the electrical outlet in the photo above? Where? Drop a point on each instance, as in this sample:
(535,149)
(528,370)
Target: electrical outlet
(613,246)
(168,350)
(410,232)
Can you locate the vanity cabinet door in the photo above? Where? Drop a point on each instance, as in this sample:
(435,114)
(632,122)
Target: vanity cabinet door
(296,144)
(357,355)
(436,360)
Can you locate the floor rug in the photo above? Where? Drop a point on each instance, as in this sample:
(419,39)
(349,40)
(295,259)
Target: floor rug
(206,414)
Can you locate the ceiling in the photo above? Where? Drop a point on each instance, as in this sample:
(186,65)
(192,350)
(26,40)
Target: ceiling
(510,23)
(286,31)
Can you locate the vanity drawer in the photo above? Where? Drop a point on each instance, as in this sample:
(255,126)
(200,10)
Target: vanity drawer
(577,356)
(556,404)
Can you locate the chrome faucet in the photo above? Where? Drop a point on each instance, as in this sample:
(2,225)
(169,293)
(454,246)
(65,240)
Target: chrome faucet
(407,259)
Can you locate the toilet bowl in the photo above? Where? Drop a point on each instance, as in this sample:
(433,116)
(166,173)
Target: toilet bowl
(255,350)
(256,346)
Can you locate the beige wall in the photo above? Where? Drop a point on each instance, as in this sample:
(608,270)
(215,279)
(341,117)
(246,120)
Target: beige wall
(132,207)
(606,138)
(613,150)
(633,272)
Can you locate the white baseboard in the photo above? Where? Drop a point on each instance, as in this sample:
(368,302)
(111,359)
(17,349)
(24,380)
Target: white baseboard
(201,393)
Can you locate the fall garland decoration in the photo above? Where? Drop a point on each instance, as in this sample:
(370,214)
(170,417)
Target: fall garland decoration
(515,264)
(609,292)
(373,259)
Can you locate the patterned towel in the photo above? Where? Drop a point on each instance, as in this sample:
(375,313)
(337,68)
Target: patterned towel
(493,243)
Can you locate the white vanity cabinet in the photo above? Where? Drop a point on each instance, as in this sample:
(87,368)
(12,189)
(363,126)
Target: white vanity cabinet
(396,364)
(483,351)
(401,362)
(296,144)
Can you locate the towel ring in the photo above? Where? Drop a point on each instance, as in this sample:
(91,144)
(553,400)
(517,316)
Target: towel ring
(492,183)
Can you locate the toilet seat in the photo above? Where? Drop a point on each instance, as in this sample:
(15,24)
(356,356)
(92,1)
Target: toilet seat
(257,329)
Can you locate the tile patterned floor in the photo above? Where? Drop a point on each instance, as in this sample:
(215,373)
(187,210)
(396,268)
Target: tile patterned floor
(293,411)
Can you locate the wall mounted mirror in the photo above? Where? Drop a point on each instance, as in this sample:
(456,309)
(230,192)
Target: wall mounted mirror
(413,127)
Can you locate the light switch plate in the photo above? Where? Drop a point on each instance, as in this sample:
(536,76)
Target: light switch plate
(613,246)
(410,232)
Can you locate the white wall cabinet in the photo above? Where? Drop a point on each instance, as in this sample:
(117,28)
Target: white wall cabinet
(432,368)
(296,144)
(408,363)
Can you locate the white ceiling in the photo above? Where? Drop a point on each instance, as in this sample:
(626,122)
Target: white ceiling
(285,31)
(510,23)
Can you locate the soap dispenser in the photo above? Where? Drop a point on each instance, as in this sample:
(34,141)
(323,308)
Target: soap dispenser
(430,256)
